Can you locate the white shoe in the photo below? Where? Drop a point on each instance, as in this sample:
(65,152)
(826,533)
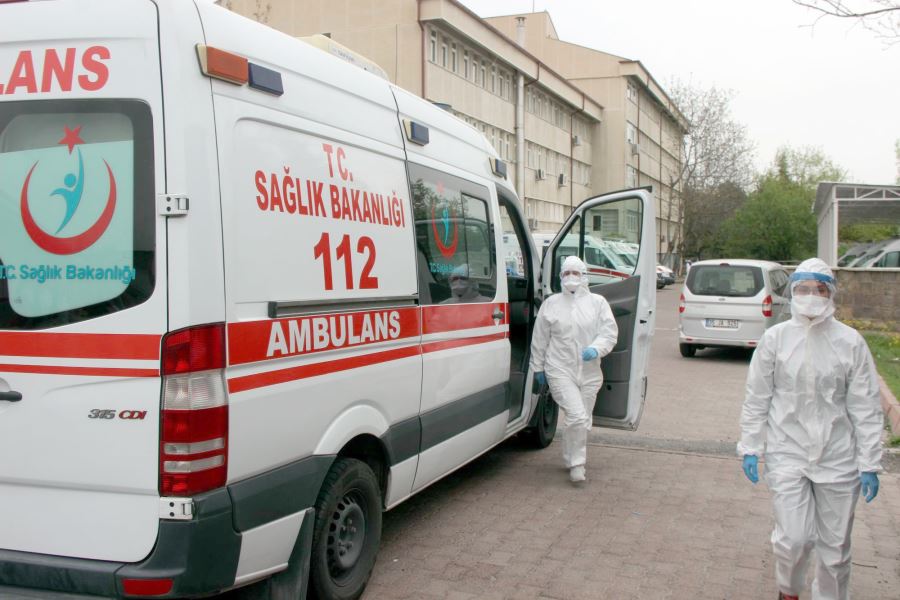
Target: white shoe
(576,474)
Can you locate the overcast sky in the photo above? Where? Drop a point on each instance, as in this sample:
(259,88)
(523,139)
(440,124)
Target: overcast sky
(832,86)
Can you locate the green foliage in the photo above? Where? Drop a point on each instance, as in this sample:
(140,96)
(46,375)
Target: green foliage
(867,232)
(805,166)
(776,223)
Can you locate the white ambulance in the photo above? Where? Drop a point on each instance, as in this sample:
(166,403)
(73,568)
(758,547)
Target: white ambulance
(250,298)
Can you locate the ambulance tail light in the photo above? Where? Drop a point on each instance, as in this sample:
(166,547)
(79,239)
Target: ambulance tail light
(193,448)
(767,306)
(681,304)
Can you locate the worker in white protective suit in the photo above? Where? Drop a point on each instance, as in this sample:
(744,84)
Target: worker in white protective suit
(812,408)
(574,329)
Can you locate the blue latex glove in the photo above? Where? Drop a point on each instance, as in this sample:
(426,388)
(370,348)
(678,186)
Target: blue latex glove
(869,483)
(541,378)
(751,467)
(588,354)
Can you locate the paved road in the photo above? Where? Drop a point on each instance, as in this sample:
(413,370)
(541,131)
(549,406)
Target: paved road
(666,512)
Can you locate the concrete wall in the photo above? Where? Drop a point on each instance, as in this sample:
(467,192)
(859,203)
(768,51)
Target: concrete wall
(870,295)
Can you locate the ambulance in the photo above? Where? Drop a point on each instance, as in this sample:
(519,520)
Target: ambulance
(231,333)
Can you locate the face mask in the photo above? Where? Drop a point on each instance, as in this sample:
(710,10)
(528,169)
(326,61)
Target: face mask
(571,283)
(809,306)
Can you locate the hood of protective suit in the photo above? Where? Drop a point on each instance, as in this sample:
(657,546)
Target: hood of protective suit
(571,285)
(811,309)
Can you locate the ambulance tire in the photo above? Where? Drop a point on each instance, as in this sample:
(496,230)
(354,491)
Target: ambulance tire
(687,350)
(541,433)
(347,531)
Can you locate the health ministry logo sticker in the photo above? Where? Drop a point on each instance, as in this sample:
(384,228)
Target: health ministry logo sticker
(446,233)
(71,193)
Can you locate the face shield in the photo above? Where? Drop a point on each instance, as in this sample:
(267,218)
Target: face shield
(812,294)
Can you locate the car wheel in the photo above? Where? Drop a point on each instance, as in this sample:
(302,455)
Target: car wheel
(687,350)
(541,434)
(347,532)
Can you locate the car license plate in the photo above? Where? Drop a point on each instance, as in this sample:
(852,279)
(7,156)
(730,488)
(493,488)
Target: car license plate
(723,323)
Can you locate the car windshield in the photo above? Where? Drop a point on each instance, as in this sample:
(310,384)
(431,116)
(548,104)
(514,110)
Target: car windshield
(743,281)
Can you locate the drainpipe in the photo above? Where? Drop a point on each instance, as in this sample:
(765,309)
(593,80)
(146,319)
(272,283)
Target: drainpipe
(424,45)
(572,154)
(520,116)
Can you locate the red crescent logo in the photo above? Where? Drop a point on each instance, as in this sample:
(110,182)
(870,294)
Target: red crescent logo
(446,251)
(74,244)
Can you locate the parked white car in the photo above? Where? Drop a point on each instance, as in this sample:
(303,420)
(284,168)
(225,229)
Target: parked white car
(730,303)
(883,255)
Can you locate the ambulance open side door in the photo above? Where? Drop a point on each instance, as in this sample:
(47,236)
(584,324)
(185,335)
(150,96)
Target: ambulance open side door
(629,217)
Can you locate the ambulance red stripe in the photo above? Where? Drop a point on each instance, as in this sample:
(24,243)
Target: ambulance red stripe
(122,346)
(453,317)
(599,271)
(250,382)
(84,371)
(459,343)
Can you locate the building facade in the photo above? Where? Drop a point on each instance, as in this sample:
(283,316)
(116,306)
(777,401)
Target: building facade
(571,122)
(642,133)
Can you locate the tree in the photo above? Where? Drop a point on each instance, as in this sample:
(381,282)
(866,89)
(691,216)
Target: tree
(806,166)
(717,161)
(777,222)
(882,17)
(704,215)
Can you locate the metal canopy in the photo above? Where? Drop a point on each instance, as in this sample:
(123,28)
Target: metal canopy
(839,204)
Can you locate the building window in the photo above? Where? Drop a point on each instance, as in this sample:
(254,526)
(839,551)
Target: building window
(483,75)
(453,58)
(444,54)
(630,133)
(493,79)
(466,64)
(631,92)
(502,85)
(432,47)
(632,219)
(630,176)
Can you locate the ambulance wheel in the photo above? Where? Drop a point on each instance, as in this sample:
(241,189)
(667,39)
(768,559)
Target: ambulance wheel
(347,532)
(541,433)
(687,350)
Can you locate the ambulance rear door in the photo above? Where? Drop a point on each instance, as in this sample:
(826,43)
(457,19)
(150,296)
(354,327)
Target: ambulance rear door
(627,216)
(82,278)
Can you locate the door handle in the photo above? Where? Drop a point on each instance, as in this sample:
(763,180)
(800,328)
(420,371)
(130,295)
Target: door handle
(498,314)
(11,396)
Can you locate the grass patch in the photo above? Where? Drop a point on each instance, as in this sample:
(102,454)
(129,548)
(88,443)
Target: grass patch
(894,442)
(885,349)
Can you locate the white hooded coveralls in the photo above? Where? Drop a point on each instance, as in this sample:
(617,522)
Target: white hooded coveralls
(813,407)
(567,323)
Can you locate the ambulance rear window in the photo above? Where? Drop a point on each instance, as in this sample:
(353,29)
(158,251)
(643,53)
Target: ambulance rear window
(76,210)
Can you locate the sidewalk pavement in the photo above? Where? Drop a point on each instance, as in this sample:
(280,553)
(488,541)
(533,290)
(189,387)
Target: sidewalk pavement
(648,524)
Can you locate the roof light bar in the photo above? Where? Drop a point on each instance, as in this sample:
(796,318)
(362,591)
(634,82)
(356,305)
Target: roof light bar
(416,132)
(266,80)
(223,65)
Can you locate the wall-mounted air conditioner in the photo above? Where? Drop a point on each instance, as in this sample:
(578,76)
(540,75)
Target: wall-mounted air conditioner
(562,180)
(634,148)
(540,174)
(576,140)
(532,224)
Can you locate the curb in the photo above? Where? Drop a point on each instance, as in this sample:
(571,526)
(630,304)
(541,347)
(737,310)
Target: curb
(891,406)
